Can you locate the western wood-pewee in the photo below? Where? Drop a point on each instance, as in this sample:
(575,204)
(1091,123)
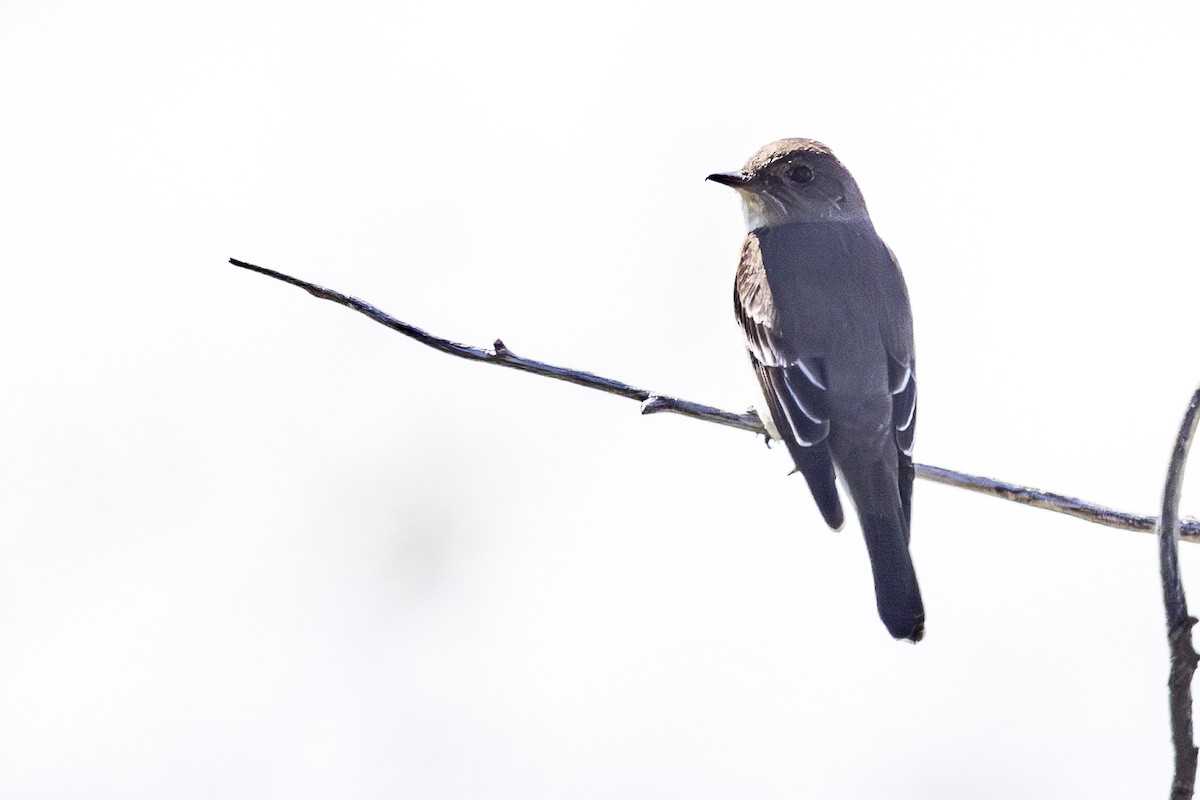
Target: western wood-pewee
(828,325)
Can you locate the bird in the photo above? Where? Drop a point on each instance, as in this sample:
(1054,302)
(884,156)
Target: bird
(828,326)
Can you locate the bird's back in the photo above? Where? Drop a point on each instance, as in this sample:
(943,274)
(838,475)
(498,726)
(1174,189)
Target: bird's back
(839,296)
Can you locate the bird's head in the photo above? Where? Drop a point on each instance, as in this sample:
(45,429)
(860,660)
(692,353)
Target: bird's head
(795,180)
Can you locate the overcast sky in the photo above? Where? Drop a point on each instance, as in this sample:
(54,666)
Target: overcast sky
(254,546)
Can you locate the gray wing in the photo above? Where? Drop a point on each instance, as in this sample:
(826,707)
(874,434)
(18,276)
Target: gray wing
(902,379)
(794,386)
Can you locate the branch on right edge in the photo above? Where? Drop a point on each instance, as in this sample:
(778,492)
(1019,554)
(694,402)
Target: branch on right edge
(1179,624)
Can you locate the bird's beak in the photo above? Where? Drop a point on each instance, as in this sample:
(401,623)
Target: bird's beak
(738,180)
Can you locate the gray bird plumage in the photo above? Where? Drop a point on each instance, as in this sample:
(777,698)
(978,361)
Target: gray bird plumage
(828,326)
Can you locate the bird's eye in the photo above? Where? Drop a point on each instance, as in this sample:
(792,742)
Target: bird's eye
(801,174)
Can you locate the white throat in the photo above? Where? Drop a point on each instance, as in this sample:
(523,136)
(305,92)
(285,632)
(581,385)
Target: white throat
(753,208)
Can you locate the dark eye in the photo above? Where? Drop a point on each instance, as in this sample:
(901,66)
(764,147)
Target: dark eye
(800,174)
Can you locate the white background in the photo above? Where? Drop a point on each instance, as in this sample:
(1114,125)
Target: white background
(255,546)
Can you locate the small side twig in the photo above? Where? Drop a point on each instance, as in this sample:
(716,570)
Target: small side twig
(653,403)
(1179,623)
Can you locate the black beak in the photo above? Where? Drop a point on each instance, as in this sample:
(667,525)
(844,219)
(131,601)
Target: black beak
(735,179)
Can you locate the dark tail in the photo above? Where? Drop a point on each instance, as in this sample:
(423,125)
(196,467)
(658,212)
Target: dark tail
(877,497)
(896,592)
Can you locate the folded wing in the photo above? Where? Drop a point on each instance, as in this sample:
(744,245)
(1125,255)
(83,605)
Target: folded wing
(794,386)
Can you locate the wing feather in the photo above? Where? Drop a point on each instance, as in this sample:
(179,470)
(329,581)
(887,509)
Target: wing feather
(902,376)
(794,386)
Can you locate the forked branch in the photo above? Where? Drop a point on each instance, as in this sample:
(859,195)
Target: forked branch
(1170,528)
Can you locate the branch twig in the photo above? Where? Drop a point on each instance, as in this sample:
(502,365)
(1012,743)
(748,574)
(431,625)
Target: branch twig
(1179,623)
(654,403)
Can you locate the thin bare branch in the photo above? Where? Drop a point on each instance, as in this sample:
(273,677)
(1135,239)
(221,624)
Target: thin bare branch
(1179,623)
(1072,506)
(653,403)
